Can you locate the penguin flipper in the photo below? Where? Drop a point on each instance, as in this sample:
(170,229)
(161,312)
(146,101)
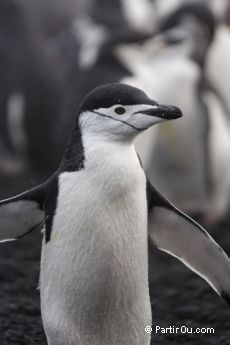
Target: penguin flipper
(21,214)
(177,234)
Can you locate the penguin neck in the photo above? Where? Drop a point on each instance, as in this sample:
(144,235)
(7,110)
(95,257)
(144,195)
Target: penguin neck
(96,143)
(102,149)
(85,144)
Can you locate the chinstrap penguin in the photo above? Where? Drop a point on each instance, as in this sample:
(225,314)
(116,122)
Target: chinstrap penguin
(98,210)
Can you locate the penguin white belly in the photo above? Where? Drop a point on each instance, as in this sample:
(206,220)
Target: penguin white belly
(94,270)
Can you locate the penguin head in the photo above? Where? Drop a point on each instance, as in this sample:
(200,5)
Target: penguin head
(121,111)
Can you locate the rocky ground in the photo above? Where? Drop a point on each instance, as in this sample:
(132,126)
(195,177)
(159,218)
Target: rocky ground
(178,296)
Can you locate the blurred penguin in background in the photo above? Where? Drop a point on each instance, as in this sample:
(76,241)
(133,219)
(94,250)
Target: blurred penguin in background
(201,145)
(186,162)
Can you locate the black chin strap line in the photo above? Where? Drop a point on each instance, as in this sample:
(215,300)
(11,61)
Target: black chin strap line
(126,123)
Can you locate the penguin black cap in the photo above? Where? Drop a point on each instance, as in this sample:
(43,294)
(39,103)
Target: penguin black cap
(107,95)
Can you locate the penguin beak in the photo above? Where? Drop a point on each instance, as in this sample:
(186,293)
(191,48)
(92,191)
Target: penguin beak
(166,112)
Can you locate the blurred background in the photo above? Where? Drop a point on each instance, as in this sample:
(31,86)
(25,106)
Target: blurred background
(52,53)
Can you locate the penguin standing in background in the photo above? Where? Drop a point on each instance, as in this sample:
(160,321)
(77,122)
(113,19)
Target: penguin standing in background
(205,133)
(186,35)
(99,209)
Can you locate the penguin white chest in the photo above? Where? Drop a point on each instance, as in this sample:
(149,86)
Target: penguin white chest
(95,267)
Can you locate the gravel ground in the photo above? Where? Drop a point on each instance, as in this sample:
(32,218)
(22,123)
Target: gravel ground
(178,296)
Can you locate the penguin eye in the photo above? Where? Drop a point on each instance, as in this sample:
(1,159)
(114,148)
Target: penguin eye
(120,110)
